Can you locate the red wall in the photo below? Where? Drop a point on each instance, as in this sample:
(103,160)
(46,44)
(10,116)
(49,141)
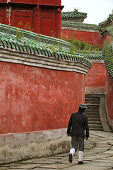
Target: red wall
(109,95)
(90,37)
(34,99)
(96,77)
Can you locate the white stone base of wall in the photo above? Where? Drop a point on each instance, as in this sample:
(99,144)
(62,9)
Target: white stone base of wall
(95,90)
(22,146)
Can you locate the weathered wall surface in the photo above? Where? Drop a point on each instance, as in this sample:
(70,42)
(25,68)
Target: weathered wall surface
(109,99)
(19,146)
(39,90)
(92,37)
(95,80)
(35,104)
(34,99)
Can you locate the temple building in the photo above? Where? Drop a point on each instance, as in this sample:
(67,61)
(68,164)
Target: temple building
(74,16)
(73,26)
(107,22)
(33,15)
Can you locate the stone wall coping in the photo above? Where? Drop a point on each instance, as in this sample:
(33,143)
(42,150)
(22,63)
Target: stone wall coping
(61,64)
(23,41)
(80,25)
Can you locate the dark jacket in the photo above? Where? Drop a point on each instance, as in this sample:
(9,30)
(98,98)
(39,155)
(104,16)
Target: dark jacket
(77,125)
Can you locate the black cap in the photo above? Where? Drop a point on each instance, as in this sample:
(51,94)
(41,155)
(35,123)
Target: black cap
(83,106)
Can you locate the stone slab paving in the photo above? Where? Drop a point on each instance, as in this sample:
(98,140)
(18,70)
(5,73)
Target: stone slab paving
(98,156)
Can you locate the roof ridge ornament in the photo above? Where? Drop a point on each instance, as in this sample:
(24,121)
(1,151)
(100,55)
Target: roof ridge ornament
(75,10)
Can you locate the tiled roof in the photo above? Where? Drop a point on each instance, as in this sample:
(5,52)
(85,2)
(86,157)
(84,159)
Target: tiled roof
(93,55)
(110,30)
(74,14)
(32,43)
(108,22)
(79,25)
(107,25)
(108,53)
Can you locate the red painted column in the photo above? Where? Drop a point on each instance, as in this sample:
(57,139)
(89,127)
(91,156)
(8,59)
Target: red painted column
(58,22)
(36,19)
(3,15)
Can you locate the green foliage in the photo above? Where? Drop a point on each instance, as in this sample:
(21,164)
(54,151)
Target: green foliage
(81,45)
(26,26)
(19,34)
(53,48)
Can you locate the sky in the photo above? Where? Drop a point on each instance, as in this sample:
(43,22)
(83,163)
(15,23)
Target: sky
(97,10)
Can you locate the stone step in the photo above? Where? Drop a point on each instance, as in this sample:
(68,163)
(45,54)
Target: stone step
(91,104)
(95,126)
(94,111)
(94,122)
(94,118)
(96,129)
(92,114)
(92,101)
(93,95)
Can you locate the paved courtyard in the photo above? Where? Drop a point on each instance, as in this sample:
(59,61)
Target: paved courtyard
(98,156)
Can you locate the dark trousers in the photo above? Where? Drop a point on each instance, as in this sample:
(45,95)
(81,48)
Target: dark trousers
(77,142)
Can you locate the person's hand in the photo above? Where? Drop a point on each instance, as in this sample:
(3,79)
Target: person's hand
(68,134)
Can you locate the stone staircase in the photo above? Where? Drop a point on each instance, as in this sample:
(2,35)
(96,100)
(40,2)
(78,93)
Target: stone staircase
(92,101)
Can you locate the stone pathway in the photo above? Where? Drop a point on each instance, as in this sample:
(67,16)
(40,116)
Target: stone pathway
(98,156)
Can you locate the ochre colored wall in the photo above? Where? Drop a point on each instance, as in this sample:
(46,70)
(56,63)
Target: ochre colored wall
(90,37)
(34,99)
(109,95)
(96,77)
